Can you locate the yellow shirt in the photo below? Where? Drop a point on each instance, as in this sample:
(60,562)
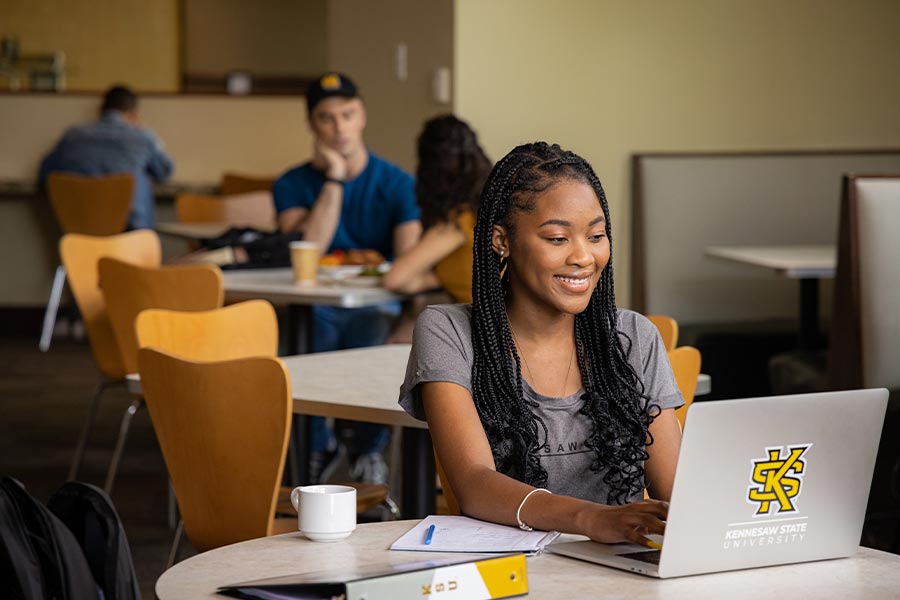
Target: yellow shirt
(455,271)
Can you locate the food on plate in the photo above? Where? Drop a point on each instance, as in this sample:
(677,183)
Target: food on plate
(368,259)
(331,260)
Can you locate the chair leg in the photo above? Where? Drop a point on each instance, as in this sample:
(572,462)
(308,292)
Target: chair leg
(120,443)
(391,507)
(86,430)
(59,280)
(172,515)
(176,543)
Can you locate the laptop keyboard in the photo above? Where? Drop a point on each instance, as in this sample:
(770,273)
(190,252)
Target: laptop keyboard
(647,556)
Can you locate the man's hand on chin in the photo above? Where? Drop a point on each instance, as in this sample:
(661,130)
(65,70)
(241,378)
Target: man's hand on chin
(330,161)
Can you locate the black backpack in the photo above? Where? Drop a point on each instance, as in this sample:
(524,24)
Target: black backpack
(73,549)
(264,250)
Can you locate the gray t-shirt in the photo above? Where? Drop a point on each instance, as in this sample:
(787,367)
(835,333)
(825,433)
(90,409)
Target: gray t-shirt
(442,351)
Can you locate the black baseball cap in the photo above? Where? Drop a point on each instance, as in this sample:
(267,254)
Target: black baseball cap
(327,86)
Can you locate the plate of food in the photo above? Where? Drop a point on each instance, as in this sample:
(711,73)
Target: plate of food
(341,266)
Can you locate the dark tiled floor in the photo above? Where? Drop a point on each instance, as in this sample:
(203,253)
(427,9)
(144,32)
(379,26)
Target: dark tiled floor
(43,401)
(44,398)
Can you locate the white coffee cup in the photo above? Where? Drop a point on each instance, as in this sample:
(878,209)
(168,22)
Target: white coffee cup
(326,513)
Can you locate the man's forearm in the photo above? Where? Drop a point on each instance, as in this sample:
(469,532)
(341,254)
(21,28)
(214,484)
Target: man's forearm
(320,223)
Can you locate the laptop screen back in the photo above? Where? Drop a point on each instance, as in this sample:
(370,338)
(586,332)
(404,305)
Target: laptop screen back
(765,481)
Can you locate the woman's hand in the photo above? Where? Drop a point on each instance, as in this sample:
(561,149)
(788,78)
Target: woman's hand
(627,523)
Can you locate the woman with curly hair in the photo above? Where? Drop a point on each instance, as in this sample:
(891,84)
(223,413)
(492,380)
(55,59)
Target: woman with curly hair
(548,406)
(451,172)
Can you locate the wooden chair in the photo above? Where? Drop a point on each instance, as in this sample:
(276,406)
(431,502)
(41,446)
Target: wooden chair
(128,289)
(238,331)
(80,256)
(668,330)
(89,206)
(251,209)
(236,183)
(685,363)
(223,428)
(449,498)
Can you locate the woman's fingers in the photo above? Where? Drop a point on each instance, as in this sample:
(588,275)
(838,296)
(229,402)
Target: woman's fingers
(635,537)
(643,525)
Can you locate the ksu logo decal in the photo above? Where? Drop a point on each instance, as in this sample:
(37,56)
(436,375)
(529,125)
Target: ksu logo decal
(777,479)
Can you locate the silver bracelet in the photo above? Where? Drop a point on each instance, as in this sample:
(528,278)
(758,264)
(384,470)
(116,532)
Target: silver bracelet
(522,524)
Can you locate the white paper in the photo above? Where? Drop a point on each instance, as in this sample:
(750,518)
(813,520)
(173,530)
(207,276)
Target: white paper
(462,534)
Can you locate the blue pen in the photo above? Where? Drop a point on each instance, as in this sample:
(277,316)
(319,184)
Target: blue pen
(428,535)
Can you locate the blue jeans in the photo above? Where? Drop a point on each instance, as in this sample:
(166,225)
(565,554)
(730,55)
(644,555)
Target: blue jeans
(336,328)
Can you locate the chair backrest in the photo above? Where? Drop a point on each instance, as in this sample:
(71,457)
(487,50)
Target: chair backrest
(236,183)
(668,330)
(449,496)
(685,363)
(129,289)
(91,205)
(223,428)
(250,209)
(80,256)
(865,336)
(237,331)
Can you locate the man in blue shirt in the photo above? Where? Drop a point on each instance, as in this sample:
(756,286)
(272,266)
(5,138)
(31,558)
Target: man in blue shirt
(347,198)
(115,143)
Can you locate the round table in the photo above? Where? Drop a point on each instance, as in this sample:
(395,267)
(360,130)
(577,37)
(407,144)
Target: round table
(870,574)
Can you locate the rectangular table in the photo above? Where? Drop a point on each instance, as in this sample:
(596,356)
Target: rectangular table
(277,286)
(806,263)
(364,385)
(192,231)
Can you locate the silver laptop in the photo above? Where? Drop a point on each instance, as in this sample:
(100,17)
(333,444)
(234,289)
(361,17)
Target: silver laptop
(762,481)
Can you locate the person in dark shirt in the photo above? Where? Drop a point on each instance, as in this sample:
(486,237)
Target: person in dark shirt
(117,142)
(347,198)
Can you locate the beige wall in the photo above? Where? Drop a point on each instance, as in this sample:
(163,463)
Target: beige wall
(205,135)
(271,38)
(361,40)
(105,41)
(608,79)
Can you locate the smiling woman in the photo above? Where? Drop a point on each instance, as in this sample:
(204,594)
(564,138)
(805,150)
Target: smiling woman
(542,384)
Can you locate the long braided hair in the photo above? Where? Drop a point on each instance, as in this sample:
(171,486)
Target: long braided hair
(614,398)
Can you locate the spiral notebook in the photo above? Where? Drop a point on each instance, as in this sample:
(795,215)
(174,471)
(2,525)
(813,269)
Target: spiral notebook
(463,534)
